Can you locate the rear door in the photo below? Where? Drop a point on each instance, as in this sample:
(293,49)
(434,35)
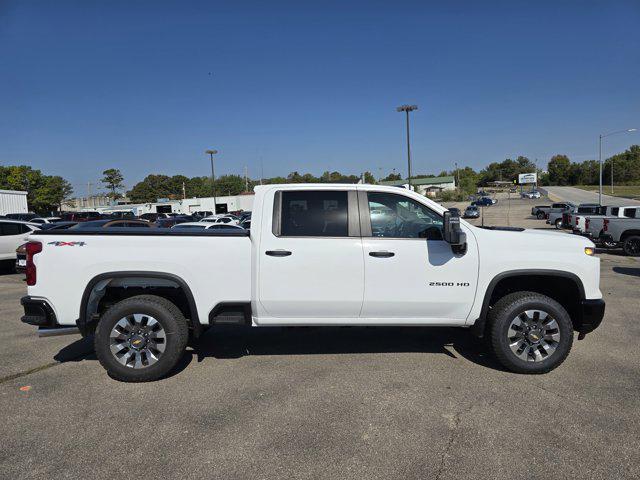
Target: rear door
(12,235)
(310,258)
(411,273)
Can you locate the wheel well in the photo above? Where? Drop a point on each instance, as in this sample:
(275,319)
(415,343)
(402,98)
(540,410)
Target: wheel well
(564,289)
(629,233)
(105,291)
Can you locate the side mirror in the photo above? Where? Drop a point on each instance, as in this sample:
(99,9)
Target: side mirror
(453,234)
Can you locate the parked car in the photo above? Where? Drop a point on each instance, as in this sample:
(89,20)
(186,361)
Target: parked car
(173,220)
(555,215)
(23,217)
(471,211)
(202,214)
(623,232)
(108,223)
(585,208)
(308,263)
(230,219)
(45,220)
(246,224)
(21,258)
(80,216)
(205,226)
(120,214)
(58,225)
(531,195)
(595,223)
(153,217)
(13,233)
(484,202)
(540,211)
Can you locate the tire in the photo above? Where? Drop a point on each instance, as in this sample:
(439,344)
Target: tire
(540,216)
(558,223)
(502,322)
(631,246)
(163,344)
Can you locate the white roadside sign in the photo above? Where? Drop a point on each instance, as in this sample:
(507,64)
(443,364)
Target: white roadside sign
(527,178)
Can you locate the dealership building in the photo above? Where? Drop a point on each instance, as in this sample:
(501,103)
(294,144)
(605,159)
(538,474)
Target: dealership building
(428,186)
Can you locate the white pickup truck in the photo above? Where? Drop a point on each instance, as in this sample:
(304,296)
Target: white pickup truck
(316,255)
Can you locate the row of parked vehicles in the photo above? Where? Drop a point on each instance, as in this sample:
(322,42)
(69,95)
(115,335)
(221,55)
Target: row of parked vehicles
(607,226)
(15,228)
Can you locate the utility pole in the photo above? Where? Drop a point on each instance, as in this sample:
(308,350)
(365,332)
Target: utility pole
(457,178)
(407,109)
(246,180)
(211,153)
(261,170)
(600,137)
(184,191)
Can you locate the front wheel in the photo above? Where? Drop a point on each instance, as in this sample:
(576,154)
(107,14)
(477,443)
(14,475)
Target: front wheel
(530,332)
(559,223)
(631,246)
(141,338)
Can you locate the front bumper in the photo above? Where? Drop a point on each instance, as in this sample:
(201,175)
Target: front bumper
(38,312)
(591,315)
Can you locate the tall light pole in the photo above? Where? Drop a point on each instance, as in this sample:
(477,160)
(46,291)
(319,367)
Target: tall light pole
(407,109)
(628,130)
(211,153)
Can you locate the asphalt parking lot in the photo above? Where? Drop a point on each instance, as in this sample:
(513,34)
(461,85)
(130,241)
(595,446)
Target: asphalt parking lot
(329,403)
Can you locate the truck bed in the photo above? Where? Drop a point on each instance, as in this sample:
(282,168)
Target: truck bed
(216,265)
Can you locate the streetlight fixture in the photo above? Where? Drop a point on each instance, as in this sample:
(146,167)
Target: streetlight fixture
(628,130)
(407,109)
(211,153)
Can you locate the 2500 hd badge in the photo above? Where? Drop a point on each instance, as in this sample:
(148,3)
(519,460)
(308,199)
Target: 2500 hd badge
(448,284)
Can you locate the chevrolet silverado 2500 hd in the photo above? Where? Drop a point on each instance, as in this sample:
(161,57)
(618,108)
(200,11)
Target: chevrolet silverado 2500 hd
(316,255)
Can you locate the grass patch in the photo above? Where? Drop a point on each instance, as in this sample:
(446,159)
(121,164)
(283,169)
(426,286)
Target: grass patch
(624,191)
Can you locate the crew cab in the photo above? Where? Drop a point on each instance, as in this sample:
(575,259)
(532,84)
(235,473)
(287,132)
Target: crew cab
(623,231)
(316,255)
(593,223)
(540,211)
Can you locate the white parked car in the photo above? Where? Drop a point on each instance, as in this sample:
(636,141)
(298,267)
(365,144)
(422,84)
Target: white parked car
(43,220)
(532,195)
(13,233)
(227,219)
(316,255)
(205,226)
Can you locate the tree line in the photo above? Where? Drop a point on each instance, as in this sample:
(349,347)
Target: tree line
(45,193)
(48,193)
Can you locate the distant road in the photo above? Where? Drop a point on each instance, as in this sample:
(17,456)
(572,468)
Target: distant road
(577,195)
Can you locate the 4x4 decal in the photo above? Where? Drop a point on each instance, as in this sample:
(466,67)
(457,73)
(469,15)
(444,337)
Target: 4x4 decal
(67,244)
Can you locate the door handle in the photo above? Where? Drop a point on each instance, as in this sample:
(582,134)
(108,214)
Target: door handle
(278,253)
(382,254)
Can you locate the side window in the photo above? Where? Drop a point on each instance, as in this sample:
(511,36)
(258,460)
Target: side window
(397,216)
(10,229)
(24,228)
(314,214)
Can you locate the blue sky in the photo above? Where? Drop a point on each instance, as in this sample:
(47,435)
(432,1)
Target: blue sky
(147,86)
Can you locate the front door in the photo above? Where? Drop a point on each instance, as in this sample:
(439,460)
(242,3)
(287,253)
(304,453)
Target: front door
(310,256)
(411,274)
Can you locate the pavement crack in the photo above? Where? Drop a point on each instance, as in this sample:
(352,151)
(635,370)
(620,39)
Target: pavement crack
(46,366)
(454,423)
(13,376)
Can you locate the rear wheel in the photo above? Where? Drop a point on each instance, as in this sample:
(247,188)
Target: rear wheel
(558,223)
(631,246)
(141,338)
(540,215)
(530,332)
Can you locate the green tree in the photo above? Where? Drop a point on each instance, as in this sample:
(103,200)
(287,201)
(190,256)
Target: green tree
(560,171)
(229,185)
(393,177)
(369,178)
(113,180)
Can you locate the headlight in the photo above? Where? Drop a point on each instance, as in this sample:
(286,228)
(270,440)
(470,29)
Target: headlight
(589,250)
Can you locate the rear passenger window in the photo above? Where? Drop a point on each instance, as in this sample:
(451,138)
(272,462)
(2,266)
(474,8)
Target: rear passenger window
(10,229)
(314,214)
